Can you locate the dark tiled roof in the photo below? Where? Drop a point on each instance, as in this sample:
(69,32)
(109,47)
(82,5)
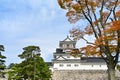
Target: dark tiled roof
(66,61)
(93,59)
(67,42)
(49,63)
(59,53)
(67,39)
(82,60)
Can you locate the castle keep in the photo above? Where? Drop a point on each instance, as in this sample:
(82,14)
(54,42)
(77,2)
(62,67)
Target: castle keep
(66,67)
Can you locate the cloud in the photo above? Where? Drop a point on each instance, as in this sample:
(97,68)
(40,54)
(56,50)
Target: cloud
(31,22)
(20,17)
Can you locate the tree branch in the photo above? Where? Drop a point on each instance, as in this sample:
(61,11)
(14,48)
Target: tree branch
(95,17)
(87,41)
(101,17)
(115,9)
(88,20)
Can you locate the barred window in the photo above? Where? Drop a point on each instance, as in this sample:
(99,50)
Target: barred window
(61,65)
(68,65)
(76,65)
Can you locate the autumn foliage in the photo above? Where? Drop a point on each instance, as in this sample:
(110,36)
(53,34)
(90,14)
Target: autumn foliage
(102,19)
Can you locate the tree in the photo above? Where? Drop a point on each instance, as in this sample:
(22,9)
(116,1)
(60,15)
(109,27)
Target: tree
(32,67)
(102,20)
(118,67)
(11,65)
(2,61)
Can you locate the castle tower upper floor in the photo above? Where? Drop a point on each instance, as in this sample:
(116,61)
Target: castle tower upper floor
(67,43)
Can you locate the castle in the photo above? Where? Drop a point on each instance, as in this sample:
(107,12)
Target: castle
(66,67)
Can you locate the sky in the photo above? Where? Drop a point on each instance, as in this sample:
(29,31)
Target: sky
(32,22)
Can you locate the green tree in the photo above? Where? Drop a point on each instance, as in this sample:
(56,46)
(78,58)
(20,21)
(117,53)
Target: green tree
(2,62)
(102,20)
(32,67)
(118,67)
(11,65)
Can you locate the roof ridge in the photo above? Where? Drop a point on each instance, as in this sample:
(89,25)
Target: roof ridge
(67,38)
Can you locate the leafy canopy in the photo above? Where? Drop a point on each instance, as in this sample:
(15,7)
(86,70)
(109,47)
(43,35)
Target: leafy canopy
(32,66)
(103,21)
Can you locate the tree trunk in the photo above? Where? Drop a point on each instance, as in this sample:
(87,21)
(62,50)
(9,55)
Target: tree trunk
(111,73)
(29,78)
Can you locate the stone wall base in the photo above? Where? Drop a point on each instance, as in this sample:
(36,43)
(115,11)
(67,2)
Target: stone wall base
(79,75)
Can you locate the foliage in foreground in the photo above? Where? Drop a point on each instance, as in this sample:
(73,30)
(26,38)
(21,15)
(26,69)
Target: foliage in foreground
(2,62)
(118,67)
(102,20)
(32,67)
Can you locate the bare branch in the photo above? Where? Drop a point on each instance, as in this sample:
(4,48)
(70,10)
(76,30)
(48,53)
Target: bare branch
(87,41)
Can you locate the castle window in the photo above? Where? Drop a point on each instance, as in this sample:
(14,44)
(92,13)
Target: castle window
(67,45)
(76,65)
(92,65)
(68,56)
(68,65)
(61,65)
(64,45)
(71,46)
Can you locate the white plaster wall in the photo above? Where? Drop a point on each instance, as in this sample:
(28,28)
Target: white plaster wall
(67,57)
(57,66)
(71,57)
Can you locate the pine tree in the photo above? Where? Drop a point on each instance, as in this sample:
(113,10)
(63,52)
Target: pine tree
(2,62)
(32,67)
